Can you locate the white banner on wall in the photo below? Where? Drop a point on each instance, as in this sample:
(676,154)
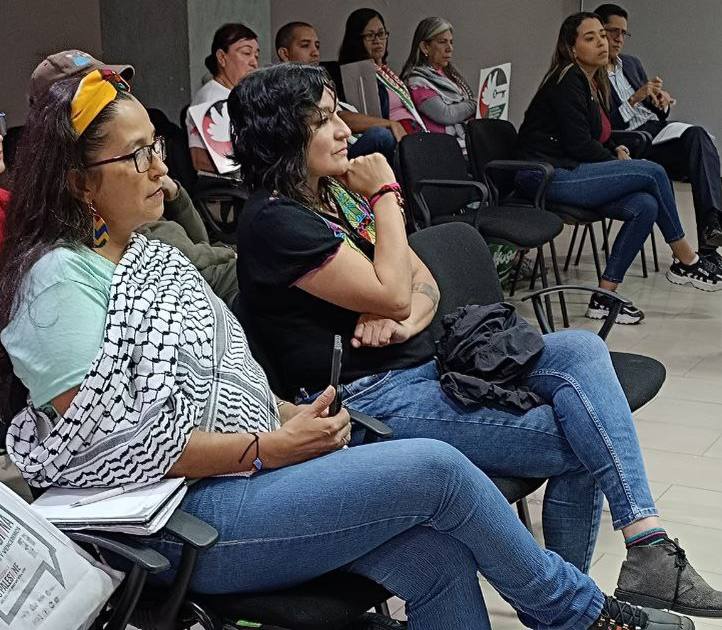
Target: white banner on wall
(493,100)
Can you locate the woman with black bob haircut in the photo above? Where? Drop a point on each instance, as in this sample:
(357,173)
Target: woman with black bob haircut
(234,54)
(322,251)
(136,371)
(366,37)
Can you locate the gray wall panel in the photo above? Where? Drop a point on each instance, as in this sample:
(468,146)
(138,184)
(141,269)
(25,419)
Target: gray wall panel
(30,30)
(204,18)
(152,36)
(680,42)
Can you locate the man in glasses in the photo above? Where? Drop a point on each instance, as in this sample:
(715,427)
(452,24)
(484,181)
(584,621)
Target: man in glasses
(641,104)
(181,225)
(298,42)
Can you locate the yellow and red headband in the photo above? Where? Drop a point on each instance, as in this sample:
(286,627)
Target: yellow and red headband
(96,90)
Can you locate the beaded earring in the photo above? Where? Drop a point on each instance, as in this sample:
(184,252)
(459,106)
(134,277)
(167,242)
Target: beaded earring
(100,228)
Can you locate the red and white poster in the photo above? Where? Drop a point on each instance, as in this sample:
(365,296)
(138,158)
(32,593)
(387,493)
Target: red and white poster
(493,98)
(214,124)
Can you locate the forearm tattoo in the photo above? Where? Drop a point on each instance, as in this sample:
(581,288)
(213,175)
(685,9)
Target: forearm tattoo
(429,291)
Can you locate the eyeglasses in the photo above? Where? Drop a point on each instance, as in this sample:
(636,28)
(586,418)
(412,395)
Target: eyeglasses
(382,36)
(142,158)
(618,32)
(3,125)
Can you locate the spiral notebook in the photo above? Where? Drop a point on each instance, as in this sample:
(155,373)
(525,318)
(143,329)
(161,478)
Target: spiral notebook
(142,511)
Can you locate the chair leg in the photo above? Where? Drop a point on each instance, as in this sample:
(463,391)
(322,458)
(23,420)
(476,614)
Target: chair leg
(606,229)
(383,609)
(545,284)
(571,247)
(522,508)
(558,280)
(516,272)
(581,244)
(643,258)
(654,251)
(595,251)
(534,273)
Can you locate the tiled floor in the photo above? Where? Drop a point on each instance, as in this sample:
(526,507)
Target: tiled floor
(680,431)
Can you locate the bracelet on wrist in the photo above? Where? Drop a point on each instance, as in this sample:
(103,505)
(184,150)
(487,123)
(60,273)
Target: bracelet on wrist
(393,188)
(257,462)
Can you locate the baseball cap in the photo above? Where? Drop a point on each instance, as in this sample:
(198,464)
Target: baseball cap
(65,64)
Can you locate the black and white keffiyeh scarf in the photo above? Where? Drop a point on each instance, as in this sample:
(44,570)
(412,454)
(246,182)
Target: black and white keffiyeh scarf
(173,359)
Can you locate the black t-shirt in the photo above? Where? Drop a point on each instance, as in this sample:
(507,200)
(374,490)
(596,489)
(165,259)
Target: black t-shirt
(279,241)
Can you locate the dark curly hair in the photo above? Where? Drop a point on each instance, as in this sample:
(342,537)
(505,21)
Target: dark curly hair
(271,114)
(43,213)
(352,46)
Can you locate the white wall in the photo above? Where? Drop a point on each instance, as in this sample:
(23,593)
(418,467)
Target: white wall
(30,30)
(485,33)
(206,16)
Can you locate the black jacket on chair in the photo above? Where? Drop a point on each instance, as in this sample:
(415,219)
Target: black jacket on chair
(562,124)
(637,77)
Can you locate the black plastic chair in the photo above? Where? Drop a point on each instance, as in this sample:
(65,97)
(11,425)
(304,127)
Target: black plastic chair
(219,200)
(439,190)
(334,71)
(178,159)
(491,144)
(461,263)
(464,251)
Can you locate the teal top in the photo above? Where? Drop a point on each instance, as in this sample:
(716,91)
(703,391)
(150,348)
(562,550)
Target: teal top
(58,320)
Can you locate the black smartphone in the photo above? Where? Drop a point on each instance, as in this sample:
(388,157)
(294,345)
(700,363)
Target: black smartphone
(336,358)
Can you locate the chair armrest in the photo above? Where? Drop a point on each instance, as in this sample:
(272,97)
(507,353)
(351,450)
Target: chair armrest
(373,425)
(638,142)
(617,303)
(546,169)
(191,530)
(127,547)
(481,190)
(219,230)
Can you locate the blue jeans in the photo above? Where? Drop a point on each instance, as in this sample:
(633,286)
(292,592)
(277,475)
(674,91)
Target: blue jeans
(413,515)
(636,192)
(374,140)
(583,440)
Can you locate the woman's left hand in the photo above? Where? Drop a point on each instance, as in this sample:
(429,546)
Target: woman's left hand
(373,331)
